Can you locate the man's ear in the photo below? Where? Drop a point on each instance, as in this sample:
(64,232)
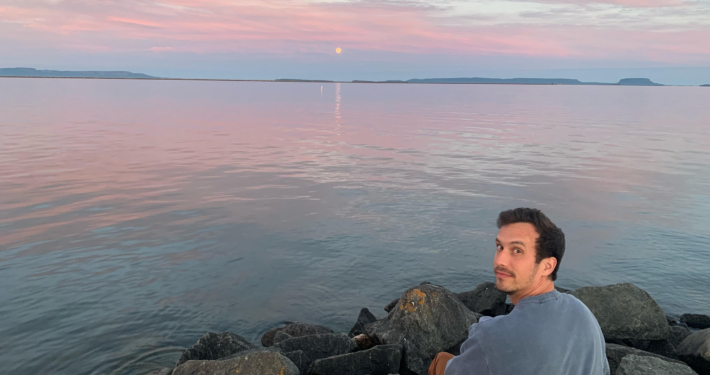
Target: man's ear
(549,265)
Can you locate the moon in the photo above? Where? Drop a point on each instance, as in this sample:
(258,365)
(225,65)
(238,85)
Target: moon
(338,50)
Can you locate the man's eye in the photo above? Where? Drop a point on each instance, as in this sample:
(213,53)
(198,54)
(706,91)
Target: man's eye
(499,247)
(517,251)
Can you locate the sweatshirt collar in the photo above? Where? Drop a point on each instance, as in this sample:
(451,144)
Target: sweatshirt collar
(541,298)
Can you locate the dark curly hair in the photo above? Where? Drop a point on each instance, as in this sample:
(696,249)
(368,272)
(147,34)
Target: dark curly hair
(551,240)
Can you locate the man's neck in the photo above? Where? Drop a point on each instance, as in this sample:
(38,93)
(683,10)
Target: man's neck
(545,286)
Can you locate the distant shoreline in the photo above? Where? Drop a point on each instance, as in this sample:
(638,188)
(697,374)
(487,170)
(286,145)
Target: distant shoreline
(354,81)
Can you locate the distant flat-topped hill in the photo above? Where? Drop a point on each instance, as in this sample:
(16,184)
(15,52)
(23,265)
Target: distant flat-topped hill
(637,82)
(536,81)
(31,72)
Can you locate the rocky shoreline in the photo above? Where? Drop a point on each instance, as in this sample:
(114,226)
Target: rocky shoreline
(428,319)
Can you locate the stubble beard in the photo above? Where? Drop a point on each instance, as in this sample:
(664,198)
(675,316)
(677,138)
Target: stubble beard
(512,285)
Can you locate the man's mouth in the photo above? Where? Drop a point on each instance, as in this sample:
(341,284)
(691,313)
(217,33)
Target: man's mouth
(502,275)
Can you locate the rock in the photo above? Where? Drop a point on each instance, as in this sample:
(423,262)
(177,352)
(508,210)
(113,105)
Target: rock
(615,353)
(696,320)
(363,341)
(380,360)
(508,308)
(485,299)
(677,334)
(644,365)
(214,346)
(162,371)
(662,347)
(695,351)
(319,346)
(671,320)
(281,336)
(294,329)
(391,305)
(625,312)
(365,317)
(427,320)
(563,290)
(299,359)
(247,363)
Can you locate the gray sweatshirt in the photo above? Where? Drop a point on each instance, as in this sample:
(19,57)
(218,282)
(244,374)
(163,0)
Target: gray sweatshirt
(551,334)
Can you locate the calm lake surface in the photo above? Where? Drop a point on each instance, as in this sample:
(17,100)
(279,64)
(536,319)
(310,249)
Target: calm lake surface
(137,215)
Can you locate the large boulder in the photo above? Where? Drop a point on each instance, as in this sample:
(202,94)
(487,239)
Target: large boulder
(662,347)
(677,334)
(485,299)
(281,336)
(644,365)
(391,305)
(624,312)
(380,360)
(294,329)
(695,351)
(696,320)
(615,353)
(321,346)
(162,371)
(299,359)
(250,362)
(215,346)
(365,317)
(428,319)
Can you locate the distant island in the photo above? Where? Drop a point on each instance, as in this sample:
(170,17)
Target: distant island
(708,85)
(525,81)
(31,72)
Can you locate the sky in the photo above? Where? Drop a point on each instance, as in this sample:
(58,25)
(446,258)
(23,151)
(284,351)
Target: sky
(592,40)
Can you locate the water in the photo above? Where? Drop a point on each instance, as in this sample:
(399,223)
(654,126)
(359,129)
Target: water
(137,215)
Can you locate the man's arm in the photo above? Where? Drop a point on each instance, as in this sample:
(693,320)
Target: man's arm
(472,361)
(438,365)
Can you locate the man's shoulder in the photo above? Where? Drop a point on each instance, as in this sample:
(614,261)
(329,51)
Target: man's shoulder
(562,305)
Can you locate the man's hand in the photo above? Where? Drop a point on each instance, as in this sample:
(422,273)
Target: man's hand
(438,365)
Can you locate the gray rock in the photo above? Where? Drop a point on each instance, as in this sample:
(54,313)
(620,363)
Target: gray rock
(563,290)
(509,308)
(662,347)
(214,346)
(363,341)
(319,346)
(485,299)
(248,363)
(391,305)
(294,329)
(625,312)
(380,360)
(427,320)
(299,359)
(677,334)
(696,320)
(281,336)
(615,353)
(162,371)
(695,351)
(671,320)
(365,317)
(644,365)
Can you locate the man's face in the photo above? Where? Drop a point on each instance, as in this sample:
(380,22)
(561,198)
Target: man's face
(514,262)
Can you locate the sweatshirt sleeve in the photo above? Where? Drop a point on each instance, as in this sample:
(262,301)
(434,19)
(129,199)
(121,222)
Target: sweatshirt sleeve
(471,361)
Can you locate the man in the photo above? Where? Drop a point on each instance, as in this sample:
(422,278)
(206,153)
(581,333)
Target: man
(548,332)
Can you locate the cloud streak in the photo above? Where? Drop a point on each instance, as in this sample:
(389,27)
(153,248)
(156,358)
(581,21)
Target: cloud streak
(672,31)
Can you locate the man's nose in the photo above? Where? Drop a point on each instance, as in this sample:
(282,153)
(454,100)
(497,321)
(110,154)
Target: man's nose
(501,258)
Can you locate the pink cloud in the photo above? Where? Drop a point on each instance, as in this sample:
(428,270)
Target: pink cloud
(291,28)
